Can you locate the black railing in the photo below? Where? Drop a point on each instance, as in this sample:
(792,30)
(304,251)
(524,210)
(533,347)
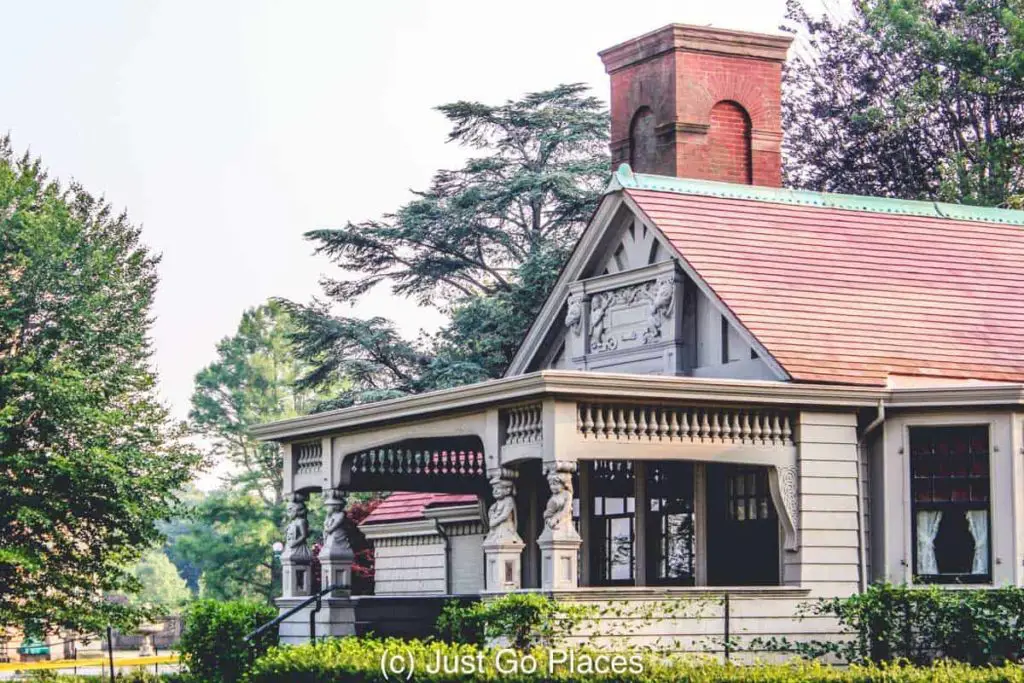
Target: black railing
(318,598)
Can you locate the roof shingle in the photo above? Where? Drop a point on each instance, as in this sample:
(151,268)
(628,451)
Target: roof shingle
(403,506)
(854,296)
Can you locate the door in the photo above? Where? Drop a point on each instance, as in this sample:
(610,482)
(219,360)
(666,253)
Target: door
(742,528)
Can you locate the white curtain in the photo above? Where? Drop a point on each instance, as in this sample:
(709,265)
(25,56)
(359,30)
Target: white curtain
(977,521)
(927,530)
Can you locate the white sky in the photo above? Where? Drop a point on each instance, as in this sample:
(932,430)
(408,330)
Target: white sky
(227,129)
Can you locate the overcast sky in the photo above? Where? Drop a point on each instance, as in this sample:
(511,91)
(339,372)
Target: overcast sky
(227,129)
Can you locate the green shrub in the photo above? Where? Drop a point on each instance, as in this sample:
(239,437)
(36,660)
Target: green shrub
(212,645)
(523,620)
(359,660)
(919,625)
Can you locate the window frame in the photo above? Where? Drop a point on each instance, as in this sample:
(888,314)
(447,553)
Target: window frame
(599,560)
(655,545)
(912,505)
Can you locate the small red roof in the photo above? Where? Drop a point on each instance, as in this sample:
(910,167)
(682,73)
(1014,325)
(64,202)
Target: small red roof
(403,506)
(852,296)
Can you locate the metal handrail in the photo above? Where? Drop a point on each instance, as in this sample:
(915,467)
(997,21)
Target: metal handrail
(281,617)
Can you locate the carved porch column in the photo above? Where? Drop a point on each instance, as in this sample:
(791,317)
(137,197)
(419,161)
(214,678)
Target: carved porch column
(336,554)
(337,615)
(503,548)
(296,557)
(559,543)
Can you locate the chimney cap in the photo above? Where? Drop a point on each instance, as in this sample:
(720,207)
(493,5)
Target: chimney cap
(687,38)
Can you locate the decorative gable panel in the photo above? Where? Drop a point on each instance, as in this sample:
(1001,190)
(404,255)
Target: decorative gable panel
(629,321)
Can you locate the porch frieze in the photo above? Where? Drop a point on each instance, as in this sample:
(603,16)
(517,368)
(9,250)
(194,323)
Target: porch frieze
(471,401)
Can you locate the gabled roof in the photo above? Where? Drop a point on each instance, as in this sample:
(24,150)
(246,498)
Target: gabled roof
(852,290)
(404,506)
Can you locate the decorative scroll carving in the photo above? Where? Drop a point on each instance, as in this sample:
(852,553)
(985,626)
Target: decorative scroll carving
(297,531)
(501,517)
(784,482)
(641,309)
(660,307)
(624,422)
(558,513)
(574,314)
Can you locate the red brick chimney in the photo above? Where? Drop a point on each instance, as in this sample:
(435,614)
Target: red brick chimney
(699,102)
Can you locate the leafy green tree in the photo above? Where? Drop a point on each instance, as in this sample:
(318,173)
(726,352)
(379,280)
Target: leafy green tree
(229,538)
(87,458)
(252,381)
(162,586)
(228,535)
(918,99)
(484,244)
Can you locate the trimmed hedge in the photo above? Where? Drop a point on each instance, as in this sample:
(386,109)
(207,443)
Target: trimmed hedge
(212,646)
(919,625)
(523,620)
(360,660)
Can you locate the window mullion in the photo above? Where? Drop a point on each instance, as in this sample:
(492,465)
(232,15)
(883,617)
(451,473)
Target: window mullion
(640,540)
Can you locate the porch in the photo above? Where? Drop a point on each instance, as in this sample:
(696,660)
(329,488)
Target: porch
(601,485)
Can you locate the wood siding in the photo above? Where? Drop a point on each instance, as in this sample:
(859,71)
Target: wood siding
(827,563)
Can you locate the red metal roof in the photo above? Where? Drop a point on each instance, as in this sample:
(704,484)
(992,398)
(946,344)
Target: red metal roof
(403,506)
(848,296)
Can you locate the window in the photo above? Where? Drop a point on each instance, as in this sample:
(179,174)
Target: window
(949,471)
(614,509)
(725,340)
(670,523)
(748,496)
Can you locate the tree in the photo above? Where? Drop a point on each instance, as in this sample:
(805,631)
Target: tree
(88,460)
(162,586)
(917,99)
(252,381)
(229,538)
(483,244)
(228,534)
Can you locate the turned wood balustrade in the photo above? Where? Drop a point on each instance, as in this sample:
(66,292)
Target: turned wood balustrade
(611,422)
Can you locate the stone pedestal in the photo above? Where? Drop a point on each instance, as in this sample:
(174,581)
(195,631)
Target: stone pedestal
(295,574)
(503,548)
(559,543)
(336,556)
(296,558)
(337,617)
(503,563)
(559,559)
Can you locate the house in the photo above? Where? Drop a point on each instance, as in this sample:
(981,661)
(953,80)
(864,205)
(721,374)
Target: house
(734,389)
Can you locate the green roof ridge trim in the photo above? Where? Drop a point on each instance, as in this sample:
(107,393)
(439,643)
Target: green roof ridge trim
(625,178)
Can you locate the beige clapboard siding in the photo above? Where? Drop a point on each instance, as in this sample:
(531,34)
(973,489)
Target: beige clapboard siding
(467,559)
(865,492)
(828,504)
(842,538)
(408,569)
(700,624)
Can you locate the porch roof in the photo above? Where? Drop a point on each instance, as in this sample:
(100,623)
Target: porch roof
(473,398)
(408,505)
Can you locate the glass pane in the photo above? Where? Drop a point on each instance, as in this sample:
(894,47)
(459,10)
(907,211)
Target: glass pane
(621,530)
(950,485)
